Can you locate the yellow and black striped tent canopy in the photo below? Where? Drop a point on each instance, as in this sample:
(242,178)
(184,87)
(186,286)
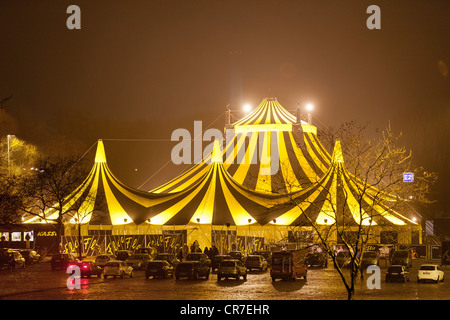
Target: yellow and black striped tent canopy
(340,197)
(269,133)
(310,184)
(215,198)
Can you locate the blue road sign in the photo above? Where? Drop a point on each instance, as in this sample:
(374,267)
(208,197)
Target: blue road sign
(408,177)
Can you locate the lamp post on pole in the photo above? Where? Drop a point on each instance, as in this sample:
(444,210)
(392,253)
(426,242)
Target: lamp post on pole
(8,138)
(309,108)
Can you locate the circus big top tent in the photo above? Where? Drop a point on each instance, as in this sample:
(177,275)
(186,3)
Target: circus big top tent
(224,196)
(267,131)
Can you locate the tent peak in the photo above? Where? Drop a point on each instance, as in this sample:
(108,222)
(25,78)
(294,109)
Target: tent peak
(337,153)
(216,154)
(100,156)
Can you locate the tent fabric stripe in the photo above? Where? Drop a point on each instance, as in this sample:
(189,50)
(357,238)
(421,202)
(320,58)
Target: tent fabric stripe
(268,111)
(100,215)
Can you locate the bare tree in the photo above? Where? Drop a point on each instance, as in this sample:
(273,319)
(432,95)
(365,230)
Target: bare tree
(80,212)
(355,199)
(49,188)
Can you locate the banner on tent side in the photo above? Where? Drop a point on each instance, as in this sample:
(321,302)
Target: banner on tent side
(97,244)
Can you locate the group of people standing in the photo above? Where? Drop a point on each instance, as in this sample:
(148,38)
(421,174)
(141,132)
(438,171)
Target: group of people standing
(184,250)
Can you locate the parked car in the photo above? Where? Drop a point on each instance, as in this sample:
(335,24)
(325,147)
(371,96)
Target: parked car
(30,256)
(255,262)
(397,273)
(402,257)
(169,257)
(159,268)
(62,260)
(216,260)
(150,250)
(369,258)
(267,254)
(318,259)
(123,254)
(237,255)
(14,259)
(432,272)
(139,261)
(192,269)
(103,259)
(343,259)
(199,256)
(231,268)
(88,268)
(117,268)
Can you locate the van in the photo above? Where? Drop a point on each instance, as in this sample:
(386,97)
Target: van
(402,257)
(288,265)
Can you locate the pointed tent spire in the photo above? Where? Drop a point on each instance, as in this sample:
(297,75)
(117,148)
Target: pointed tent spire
(100,156)
(216,154)
(337,153)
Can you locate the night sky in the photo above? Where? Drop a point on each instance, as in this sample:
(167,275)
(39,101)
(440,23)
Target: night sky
(141,69)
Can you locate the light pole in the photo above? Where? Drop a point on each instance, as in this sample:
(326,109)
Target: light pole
(8,138)
(246,108)
(309,108)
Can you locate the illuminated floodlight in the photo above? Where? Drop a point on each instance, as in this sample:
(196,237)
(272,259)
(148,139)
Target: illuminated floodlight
(309,107)
(247,107)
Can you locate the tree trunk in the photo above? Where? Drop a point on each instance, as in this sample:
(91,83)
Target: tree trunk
(59,231)
(353,276)
(350,292)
